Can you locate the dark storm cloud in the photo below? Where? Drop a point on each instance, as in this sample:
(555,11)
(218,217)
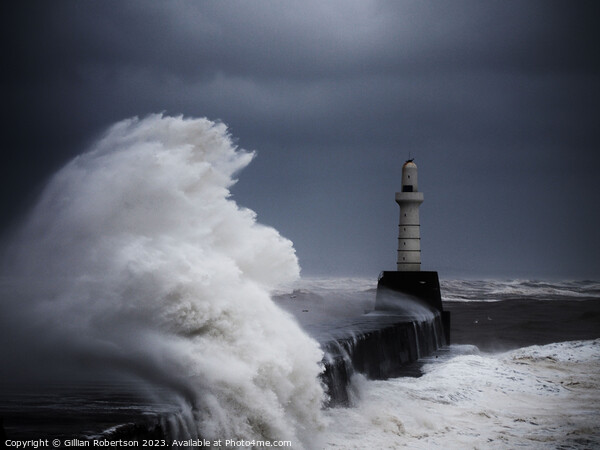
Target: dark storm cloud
(497,100)
(296,40)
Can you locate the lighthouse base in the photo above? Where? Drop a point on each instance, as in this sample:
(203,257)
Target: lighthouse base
(395,286)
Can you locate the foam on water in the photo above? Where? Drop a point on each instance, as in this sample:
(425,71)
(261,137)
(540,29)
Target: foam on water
(541,396)
(498,290)
(135,259)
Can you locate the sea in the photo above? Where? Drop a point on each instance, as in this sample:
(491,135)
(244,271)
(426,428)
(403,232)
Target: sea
(139,299)
(522,371)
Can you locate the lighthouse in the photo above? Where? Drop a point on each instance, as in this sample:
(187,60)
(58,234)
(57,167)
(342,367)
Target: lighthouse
(409,229)
(408,281)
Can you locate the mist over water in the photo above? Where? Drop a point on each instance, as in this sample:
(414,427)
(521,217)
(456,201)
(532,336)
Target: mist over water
(137,262)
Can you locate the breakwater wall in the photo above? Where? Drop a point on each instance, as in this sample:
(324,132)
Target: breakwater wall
(383,343)
(409,322)
(380,346)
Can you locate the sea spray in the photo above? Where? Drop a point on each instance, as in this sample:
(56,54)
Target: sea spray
(136,259)
(533,397)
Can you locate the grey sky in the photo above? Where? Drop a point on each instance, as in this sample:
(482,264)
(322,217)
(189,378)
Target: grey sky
(496,101)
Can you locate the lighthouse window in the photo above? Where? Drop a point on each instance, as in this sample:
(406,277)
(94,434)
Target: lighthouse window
(407,188)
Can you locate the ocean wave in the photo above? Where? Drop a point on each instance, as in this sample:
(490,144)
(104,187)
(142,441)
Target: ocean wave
(499,290)
(533,397)
(136,261)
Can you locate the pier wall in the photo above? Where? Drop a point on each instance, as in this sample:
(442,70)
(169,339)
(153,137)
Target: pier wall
(378,354)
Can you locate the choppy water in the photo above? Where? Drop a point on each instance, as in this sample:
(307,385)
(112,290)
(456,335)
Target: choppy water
(138,287)
(77,410)
(544,396)
(540,396)
(497,290)
(535,397)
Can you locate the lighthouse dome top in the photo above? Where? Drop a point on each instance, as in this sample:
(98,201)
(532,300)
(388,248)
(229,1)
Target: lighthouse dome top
(409,177)
(409,164)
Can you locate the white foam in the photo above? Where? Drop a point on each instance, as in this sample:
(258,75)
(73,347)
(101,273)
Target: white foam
(136,258)
(533,397)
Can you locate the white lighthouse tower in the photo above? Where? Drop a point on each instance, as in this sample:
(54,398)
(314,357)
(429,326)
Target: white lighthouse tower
(409,279)
(409,234)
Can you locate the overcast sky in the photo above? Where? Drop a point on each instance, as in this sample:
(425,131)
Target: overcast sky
(497,101)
